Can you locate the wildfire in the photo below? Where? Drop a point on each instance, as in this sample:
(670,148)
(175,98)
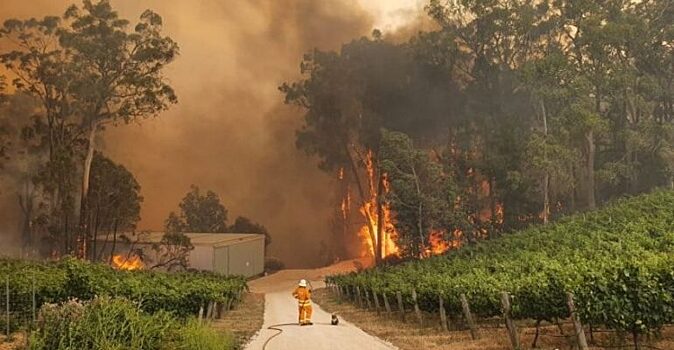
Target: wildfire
(369,212)
(346,204)
(436,244)
(499,213)
(122,263)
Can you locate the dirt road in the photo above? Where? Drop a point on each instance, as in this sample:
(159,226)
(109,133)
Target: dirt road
(281,308)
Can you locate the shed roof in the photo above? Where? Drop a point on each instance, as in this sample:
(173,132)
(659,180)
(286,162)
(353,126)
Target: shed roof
(212,239)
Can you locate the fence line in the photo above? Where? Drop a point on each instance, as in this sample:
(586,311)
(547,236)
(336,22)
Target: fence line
(20,302)
(513,333)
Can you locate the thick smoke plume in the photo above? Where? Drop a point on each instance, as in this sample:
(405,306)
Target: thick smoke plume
(230,132)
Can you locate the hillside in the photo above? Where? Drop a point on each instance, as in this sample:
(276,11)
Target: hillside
(618,262)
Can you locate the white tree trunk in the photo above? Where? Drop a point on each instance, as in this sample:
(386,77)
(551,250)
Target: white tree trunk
(83,229)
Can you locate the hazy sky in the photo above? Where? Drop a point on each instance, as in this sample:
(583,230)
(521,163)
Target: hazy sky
(230,132)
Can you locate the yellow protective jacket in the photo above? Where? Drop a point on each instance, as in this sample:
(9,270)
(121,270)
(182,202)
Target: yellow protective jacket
(303,296)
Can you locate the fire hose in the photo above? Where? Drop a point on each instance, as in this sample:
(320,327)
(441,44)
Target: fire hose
(276,327)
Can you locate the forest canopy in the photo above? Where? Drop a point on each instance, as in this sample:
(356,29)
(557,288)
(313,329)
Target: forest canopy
(517,111)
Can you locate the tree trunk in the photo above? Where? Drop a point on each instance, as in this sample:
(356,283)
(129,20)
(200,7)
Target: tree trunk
(380,244)
(492,207)
(361,192)
(546,198)
(589,169)
(114,242)
(26,203)
(574,189)
(83,232)
(96,224)
(420,213)
(546,176)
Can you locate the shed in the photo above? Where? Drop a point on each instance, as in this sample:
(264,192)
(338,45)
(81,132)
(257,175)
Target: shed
(225,253)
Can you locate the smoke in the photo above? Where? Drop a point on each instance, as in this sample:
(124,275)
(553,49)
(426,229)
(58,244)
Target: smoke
(230,132)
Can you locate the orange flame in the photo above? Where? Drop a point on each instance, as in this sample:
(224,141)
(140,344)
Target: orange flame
(437,245)
(369,212)
(499,213)
(122,263)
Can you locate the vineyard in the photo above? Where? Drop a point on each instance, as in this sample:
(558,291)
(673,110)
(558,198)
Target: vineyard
(31,291)
(615,264)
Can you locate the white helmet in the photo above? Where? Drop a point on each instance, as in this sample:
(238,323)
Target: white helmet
(303,283)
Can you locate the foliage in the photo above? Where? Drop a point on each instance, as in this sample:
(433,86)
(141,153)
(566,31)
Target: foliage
(114,199)
(116,323)
(618,261)
(197,336)
(422,196)
(202,213)
(87,69)
(172,251)
(243,224)
(180,293)
(536,108)
(348,96)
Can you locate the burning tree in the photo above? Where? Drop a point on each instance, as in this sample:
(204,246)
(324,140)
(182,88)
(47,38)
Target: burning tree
(348,97)
(423,197)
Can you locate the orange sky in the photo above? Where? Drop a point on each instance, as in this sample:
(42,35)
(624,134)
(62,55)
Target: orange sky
(230,132)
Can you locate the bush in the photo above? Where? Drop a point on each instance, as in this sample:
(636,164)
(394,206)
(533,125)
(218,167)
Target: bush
(104,323)
(196,336)
(56,282)
(114,324)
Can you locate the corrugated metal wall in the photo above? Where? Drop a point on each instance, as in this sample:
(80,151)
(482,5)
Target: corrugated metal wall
(244,258)
(201,257)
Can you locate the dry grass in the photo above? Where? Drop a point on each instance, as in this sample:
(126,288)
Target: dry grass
(15,342)
(245,320)
(410,336)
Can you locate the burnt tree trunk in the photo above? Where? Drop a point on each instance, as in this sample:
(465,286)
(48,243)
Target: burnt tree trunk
(361,193)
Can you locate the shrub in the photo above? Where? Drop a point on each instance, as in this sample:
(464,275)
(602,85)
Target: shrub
(115,323)
(56,282)
(197,336)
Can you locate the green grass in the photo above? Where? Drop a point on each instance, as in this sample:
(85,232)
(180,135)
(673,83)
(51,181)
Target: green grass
(119,324)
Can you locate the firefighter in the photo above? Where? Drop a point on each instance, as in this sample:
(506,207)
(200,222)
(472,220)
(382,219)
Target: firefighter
(303,296)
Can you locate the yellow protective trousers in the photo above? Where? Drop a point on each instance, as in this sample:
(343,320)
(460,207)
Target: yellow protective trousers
(303,296)
(305,311)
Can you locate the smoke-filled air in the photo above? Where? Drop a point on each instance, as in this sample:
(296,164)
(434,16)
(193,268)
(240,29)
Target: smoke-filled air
(230,131)
(442,174)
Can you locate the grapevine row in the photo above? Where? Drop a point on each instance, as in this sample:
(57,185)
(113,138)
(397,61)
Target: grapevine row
(53,282)
(618,262)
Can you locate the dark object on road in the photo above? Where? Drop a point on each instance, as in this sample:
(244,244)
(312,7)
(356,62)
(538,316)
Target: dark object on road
(335,320)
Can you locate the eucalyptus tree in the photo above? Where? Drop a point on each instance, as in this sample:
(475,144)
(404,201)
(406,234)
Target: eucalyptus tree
(89,70)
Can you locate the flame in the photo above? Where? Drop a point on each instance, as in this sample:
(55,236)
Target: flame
(499,213)
(436,243)
(122,263)
(346,204)
(369,212)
